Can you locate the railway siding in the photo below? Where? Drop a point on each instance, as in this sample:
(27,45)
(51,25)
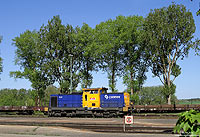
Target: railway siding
(136,108)
(165,108)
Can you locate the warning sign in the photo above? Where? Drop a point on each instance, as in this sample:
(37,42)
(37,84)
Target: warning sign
(128,119)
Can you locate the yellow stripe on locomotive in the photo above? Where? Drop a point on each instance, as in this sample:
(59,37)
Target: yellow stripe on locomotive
(126,101)
(91,97)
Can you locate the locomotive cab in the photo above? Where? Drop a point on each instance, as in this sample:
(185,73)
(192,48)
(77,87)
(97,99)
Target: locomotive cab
(91,97)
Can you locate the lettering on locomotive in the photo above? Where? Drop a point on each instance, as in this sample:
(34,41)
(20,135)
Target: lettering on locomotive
(111,97)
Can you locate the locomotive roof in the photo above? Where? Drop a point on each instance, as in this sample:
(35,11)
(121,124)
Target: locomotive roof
(94,88)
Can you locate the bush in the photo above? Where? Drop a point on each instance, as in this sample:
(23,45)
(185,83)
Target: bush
(188,123)
(152,95)
(135,98)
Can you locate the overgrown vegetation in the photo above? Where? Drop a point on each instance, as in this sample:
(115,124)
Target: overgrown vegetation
(188,123)
(151,96)
(23,97)
(14,97)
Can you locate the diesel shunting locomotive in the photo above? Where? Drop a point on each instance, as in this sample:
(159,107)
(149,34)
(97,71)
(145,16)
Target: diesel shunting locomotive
(95,102)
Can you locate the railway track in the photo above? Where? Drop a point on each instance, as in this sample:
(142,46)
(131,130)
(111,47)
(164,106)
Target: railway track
(155,116)
(175,108)
(136,115)
(110,127)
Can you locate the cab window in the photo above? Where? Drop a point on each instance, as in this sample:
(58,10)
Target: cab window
(94,92)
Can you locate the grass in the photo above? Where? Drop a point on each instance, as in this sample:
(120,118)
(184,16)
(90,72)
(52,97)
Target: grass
(188,102)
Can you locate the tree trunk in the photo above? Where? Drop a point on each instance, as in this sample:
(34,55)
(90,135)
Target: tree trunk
(113,81)
(87,73)
(169,87)
(61,90)
(169,99)
(37,102)
(131,90)
(131,83)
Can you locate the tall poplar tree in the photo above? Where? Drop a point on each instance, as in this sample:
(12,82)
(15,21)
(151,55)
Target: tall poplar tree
(107,36)
(57,43)
(133,53)
(85,40)
(28,58)
(168,34)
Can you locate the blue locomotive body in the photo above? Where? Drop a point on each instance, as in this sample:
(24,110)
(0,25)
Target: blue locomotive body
(115,100)
(68,101)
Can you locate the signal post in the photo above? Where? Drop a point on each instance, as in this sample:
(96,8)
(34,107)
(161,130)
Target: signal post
(128,120)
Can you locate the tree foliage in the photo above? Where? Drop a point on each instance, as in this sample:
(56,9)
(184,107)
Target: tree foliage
(49,91)
(196,47)
(168,35)
(56,44)
(44,55)
(133,54)
(188,123)
(107,36)
(14,97)
(85,41)
(28,58)
(113,46)
(153,95)
(119,49)
(198,12)
(124,46)
(23,97)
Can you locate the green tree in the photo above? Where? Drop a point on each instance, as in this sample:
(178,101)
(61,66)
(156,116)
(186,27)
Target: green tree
(196,47)
(7,97)
(134,98)
(49,91)
(152,95)
(57,42)
(188,123)
(134,61)
(168,35)
(198,12)
(14,97)
(28,58)
(85,40)
(107,36)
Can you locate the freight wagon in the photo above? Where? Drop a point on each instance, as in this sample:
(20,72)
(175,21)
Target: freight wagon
(95,102)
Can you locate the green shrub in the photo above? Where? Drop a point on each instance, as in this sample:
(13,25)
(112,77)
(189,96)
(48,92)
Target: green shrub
(38,113)
(188,123)
(135,98)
